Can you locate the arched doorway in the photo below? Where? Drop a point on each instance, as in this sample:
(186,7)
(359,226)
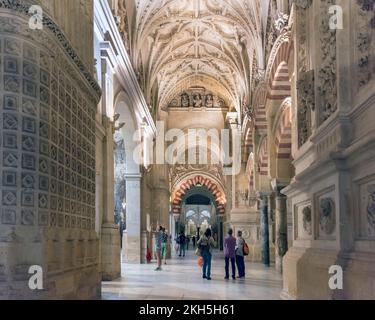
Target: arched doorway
(127,178)
(198,203)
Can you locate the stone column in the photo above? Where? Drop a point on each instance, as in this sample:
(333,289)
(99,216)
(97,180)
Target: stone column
(281,245)
(132,236)
(110,234)
(264,229)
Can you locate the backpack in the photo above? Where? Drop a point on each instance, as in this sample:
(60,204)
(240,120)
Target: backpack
(246,249)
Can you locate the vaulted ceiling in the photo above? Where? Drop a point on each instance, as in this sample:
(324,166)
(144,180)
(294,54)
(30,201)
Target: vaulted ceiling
(178,44)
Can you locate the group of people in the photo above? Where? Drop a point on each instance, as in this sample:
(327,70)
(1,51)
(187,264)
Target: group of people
(182,244)
(233,251)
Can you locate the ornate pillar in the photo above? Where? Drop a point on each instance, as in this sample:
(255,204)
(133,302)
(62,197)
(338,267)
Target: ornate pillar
(281,245)
(264,226)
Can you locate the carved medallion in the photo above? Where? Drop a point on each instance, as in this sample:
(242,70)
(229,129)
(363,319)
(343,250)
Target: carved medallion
(327,216)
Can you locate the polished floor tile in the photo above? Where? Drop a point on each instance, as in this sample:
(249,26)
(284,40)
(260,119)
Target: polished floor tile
(181,279)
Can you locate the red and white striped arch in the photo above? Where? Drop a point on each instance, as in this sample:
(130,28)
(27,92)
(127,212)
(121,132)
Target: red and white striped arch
(280,86)
(263,162)
(190,182)
(283,134)
(277,74)
(260,116)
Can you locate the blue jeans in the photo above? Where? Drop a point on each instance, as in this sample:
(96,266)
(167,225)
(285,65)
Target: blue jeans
(233,262)
(207,257)
(240,265)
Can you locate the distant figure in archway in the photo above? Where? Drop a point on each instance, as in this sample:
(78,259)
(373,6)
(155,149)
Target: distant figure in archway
(182,243)
(206,243)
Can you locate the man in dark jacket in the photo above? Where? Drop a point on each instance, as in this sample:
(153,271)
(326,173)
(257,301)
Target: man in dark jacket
(182,243)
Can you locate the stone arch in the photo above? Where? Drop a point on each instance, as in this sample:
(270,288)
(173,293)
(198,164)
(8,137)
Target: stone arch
(132,251)
(122,106)
(183,186)
(260,117)
(279,54)
(283,140)
(263,164)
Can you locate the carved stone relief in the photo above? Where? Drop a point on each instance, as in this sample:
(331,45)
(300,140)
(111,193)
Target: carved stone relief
(365,38)
(371,206)
(197,98)
(327,216)
(327,74)
(306,104)
(307,220)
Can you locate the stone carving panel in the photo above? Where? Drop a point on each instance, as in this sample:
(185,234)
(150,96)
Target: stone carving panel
(198,98)
(307,220)
(306,105)
(366,217)
(327,216)
(365,39)
(327,74)
(303,221)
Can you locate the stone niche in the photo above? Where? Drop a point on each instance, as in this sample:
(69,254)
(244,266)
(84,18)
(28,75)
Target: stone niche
(47,163)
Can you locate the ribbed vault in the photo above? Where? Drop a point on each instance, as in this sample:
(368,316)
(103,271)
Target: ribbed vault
(179,42)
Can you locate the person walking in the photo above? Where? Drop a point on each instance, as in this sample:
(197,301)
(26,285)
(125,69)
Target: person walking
(206,243)
(240,257)
(158,246)
(230,254)
(194,240)
(182,243)
(164,246)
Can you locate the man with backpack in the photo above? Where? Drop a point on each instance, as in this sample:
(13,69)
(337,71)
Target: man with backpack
(242,250)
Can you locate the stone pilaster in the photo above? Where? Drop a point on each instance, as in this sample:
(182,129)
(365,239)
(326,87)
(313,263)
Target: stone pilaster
(281,245)
(132,237)
(264,225)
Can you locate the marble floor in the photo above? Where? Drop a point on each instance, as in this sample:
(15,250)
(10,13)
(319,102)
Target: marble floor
(181,279)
